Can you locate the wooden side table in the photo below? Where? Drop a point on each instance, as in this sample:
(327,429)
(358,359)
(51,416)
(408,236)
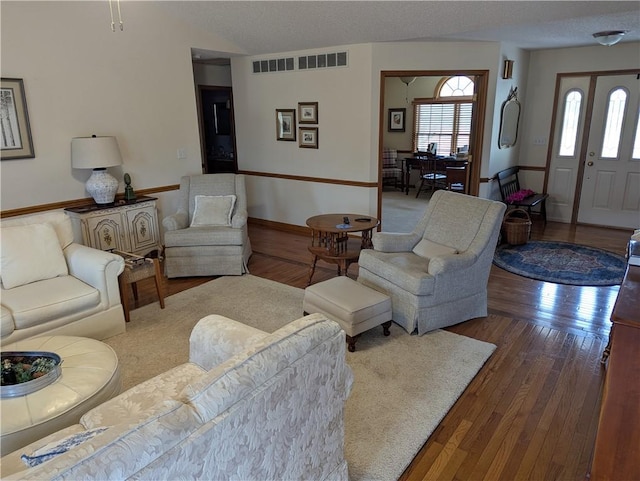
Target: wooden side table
(331,243)
(133,274)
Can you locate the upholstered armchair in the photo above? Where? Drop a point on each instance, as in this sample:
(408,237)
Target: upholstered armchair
(391,173)
(208,235)
(437,275)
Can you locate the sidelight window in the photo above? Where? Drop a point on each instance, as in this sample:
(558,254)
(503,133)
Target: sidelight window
(570,123)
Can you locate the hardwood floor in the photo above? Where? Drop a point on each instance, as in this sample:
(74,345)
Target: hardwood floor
(532,411)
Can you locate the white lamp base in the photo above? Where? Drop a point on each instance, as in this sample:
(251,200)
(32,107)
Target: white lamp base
(102,186)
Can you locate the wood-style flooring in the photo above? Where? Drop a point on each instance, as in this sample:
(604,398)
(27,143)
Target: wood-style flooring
(532,411)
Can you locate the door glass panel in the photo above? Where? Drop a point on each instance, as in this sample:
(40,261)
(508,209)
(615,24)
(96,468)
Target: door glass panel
(636,142)
(613,125)
(570,121)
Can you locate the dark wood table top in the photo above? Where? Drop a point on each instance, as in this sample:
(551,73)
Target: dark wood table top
(329,222)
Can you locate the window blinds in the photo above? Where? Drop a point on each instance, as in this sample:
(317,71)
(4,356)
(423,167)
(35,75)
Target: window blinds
(447,124)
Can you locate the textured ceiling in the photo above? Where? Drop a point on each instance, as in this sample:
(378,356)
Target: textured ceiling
(267,26)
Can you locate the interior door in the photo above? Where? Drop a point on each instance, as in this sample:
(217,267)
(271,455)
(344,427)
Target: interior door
(610,193)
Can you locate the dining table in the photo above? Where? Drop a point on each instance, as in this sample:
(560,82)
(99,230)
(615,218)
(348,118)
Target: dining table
(426,164)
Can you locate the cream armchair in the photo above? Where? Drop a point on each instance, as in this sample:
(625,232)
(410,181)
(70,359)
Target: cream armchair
(208,235)
(437,275)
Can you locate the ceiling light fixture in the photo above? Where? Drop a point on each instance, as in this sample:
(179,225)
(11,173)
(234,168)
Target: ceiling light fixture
(609,37)
(407,81)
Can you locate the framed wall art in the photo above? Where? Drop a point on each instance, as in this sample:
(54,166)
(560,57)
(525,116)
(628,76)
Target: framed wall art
(16,142)
(308,137)
(397,119)
(308,112)
(286,124)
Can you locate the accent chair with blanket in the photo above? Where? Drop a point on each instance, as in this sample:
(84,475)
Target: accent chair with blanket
(208,235)
(437,275)
(52,285)
(248,405)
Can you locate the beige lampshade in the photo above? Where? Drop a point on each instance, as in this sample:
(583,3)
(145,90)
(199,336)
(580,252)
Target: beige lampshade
(94,152)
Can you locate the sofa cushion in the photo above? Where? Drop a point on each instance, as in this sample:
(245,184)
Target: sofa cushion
(7,326)
(30,253)
(213,210)
(43,301)
(404,269)
(58,447)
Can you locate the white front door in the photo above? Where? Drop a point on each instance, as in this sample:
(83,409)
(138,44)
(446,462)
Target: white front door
(610,192)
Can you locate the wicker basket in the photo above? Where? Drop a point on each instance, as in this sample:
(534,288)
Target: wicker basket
(516,226)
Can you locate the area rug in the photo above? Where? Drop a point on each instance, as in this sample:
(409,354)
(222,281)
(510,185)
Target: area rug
(562,263)
(403,385)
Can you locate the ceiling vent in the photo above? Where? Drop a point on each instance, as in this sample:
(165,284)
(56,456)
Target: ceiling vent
(306,62)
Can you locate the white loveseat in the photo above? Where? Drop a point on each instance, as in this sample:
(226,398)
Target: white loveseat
(248,406)
(53,285)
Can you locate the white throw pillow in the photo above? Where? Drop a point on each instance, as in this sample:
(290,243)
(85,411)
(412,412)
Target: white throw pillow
(213,210)
(30,253)
(428,249)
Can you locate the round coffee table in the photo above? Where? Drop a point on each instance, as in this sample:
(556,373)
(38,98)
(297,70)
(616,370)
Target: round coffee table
(330,239)
(89,376)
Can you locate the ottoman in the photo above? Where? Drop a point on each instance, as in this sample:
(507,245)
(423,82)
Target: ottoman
(357,308)
(89,377)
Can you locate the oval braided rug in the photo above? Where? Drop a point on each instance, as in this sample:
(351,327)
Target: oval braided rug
(562,263)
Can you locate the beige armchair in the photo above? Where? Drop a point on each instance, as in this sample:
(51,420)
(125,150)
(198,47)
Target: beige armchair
(437,275)
(208,235)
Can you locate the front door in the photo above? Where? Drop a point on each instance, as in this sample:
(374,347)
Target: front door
(610,193)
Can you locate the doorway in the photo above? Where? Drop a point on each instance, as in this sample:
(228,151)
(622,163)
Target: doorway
(594,168)
(217,130)
(418,86)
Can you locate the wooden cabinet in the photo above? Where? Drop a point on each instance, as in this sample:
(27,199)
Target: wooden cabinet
(130,227)
(617,450)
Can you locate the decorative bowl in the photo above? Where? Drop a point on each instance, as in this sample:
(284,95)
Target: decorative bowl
(41,368)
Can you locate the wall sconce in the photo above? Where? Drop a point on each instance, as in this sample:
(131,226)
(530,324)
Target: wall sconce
(507,71)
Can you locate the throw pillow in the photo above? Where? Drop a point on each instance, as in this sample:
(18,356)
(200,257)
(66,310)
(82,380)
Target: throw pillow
(519,196)
(213,210)
(428,249)
(30,253)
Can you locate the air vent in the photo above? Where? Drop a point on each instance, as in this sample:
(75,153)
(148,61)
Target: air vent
(307,62)
(273,65)
(324,60)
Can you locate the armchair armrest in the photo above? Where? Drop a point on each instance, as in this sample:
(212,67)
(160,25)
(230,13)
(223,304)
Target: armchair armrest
(395,241)
(177,221)
(239,219)
(451,262)
(214,339)
(99,269)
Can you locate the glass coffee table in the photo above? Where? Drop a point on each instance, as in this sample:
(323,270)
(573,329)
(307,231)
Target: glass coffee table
(330,240)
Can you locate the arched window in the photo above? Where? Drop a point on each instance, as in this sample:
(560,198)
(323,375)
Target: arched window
(616,104)
(570,123)
(445,120)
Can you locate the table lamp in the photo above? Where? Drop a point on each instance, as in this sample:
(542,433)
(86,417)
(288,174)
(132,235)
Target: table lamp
(97,153)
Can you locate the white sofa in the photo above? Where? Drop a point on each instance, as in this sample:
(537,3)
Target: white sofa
(248,406)
(51,285)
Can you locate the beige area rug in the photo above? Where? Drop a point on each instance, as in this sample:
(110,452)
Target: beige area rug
(400,212)
(403,385)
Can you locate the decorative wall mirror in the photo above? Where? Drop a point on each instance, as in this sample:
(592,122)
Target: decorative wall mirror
(509,119)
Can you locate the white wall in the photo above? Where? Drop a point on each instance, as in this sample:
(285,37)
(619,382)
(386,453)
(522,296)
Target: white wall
(81,79)
(212,75)
(344,137)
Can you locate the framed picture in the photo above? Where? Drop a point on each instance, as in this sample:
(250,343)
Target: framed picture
(308,137)
(396,120)
(308,112)
(16,140)
(286,124)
